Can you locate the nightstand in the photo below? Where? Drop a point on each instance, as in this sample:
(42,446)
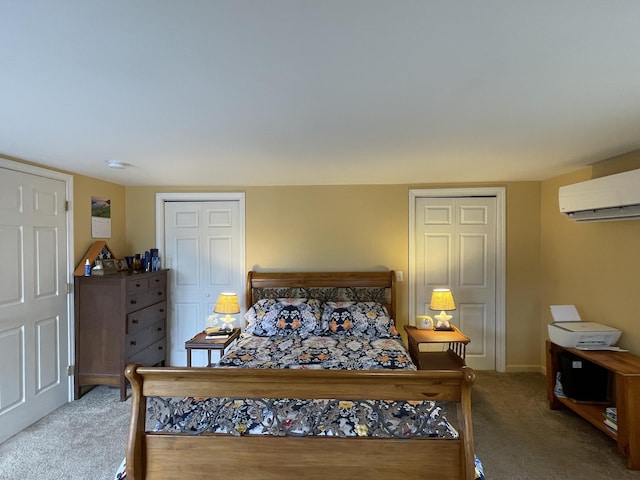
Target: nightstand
(451,359)
(200,342)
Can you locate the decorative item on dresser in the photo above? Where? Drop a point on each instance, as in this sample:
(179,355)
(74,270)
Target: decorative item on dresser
(119,319)
(99,250)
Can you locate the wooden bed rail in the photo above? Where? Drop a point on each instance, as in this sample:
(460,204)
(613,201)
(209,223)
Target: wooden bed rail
(162,455)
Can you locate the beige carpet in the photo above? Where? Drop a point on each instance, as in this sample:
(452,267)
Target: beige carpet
(516,437)
(82,440)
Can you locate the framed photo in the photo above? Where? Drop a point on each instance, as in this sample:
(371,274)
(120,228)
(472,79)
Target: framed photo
(424,322)
(109,266)
(121,265)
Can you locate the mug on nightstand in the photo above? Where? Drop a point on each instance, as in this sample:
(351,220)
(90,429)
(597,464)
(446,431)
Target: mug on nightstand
(424,322)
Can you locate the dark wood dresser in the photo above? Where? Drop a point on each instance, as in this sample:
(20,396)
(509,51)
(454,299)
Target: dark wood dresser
(119,319)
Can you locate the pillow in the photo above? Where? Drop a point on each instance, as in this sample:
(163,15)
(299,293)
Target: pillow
(358,318)
(340,304)
(281,317)
(292,301)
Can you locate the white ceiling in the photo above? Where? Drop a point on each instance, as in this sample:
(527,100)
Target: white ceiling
(268,92)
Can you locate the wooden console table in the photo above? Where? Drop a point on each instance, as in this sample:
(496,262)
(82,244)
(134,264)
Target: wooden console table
(624,378)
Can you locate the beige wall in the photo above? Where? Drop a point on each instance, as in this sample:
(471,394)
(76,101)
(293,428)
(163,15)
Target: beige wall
(591,265)
(362,228)
(523,276)
(83,189)
(327,228)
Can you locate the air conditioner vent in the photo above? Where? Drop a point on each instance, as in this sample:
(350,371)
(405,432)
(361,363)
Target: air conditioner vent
(616,197)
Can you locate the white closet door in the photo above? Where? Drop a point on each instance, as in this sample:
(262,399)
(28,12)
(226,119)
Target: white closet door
(204,252)
(455,242)
(33,299)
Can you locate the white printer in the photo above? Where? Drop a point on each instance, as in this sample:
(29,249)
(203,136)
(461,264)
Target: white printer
(568,330)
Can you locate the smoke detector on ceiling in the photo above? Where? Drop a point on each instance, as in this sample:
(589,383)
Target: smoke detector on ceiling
(116,164)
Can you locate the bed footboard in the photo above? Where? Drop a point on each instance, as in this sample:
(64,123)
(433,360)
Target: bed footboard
(153,456)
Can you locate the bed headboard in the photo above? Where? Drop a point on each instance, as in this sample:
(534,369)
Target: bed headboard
(325,286)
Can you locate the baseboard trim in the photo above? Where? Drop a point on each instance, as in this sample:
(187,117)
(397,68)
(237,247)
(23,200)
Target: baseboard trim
(526,369)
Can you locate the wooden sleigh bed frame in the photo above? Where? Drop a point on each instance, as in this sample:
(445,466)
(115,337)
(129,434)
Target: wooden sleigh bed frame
(152,455)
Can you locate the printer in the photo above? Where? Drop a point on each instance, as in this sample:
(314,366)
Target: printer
(568,330)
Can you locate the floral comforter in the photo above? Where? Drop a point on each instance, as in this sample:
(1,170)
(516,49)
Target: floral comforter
(334,352)
(294,417)
(291,417)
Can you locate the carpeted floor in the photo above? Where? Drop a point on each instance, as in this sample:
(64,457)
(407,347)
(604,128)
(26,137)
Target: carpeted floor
(516,437)
(82,440)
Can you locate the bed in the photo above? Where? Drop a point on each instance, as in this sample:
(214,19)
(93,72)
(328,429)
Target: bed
(305,394)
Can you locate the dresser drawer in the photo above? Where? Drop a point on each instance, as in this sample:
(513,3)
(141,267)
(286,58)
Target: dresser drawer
(137,284)
(141,339)
(158,280)
(144,299)
(140,282)
(154,353)
(145,317)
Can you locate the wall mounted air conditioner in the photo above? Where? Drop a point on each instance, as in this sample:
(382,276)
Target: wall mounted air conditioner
(615,197)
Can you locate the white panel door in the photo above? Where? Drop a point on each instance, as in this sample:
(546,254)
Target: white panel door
(204,250)
(33,299)
(455,242)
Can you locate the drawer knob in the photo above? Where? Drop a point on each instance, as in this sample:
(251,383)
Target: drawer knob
(134,321)
(133,301)
(133,342)
(160,348)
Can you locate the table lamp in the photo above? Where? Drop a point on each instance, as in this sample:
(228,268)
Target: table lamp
(442,299)
(228,304)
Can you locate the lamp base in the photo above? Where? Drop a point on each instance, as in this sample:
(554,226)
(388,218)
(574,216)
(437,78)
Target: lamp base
(442,321)
(443,329)
(227,323)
